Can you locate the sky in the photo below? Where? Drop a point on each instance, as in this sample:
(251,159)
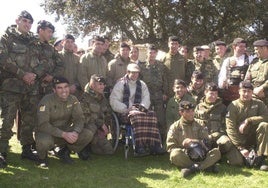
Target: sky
(10,9)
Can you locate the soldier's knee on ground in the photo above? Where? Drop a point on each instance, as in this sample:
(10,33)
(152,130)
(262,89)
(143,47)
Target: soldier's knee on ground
(224,144)
(234,157)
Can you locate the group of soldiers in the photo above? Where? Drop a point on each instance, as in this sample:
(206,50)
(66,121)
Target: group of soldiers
(196,109)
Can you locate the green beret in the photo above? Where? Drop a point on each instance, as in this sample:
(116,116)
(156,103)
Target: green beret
(25,14)
(59,80)
(43,24)
(245,85)
(98,78)
(211,87)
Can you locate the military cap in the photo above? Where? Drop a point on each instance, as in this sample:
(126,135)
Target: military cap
(262,42)
(198,74)
(59,80)
(238,40)
(124,45)
(245,85)
(219,43)
(211,87)
(99,38)
(179,82)
(98,78)
(133,67)
(152,47)
(197,48)
(186,105)
(174,38)
(43,24)
(57,42)
(69,36)
(25,14)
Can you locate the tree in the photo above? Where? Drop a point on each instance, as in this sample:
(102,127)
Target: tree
(153,21)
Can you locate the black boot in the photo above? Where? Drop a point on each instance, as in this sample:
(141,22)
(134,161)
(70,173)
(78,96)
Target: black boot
(43,163)
(212,169)
(188,171)
(64,155)
(84,154)
(3,162)
(27,153)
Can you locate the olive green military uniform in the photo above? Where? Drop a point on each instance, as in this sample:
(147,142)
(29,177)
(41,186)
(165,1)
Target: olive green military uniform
(172,111)
(54,117)
(117,68)
(207,68)
(97,111)
(71,62)
(53,65)
(258,75)
(256,133)
(155,77)
(19,55)
(181,130)
(108,55)
(91,64)
(212,116)
(176,65)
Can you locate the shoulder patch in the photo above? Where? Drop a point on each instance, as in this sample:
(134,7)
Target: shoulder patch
(42,108)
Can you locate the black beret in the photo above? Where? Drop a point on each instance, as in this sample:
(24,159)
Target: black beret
(124,45)
(58,80)
(43,24)
(245,85)
(98,78)
(211,86)
(197,48)
(179,82)
(25,14)
(238,40)
(99,38)
(186,105)
(219,43)
(174,38)
(198,74)
(152,47)
(69,36)
(260,43)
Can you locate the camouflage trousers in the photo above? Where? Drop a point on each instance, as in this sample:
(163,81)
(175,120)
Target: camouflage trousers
(10,104)
(45,142)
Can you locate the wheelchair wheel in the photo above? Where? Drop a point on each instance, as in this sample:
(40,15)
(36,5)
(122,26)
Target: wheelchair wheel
(114,131)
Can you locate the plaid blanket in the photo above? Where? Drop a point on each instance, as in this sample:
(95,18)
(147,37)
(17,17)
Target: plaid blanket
(145,130)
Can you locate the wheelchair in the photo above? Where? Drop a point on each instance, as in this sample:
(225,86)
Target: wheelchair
(120,131)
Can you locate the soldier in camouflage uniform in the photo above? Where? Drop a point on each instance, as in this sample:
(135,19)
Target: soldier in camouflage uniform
(97,111)
(61,123)
(206,66)
(196,87)
(210,113)
(180,90)
(154,74)
(92,62)
(52,61)
(220,50)
(20,72)
(247,125)
(175,63)
(258,71)
(185,132)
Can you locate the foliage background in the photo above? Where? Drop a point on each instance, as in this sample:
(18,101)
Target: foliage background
(153,21)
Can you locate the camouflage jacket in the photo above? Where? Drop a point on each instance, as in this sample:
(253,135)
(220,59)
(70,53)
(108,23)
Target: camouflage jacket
(19,54)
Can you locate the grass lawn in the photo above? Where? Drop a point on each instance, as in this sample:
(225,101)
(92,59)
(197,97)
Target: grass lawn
(115,171)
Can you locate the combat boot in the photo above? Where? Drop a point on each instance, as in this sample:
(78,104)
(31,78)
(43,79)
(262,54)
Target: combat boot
(188,171)
(27,153)
(3,162)
(212,169)
(84,154)
(64,155)
(43,163)
(263,165)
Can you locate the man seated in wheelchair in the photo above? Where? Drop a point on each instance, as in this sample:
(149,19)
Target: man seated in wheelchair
(130,98)
(96,110)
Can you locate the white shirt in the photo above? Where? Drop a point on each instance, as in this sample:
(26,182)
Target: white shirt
(240,61)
